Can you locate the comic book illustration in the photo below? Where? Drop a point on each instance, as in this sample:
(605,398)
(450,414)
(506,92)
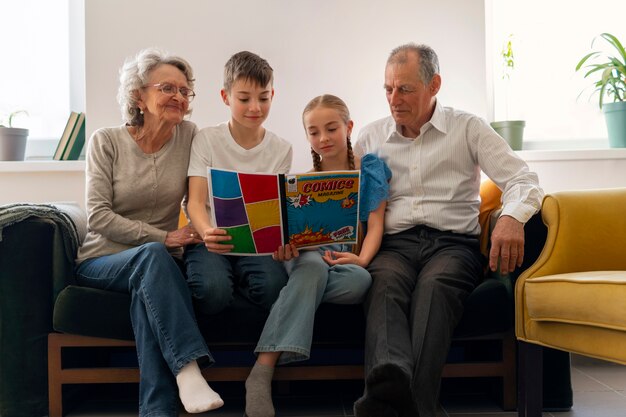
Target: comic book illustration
(264,211)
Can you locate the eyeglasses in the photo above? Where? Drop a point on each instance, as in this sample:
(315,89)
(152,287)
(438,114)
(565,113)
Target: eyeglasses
(172,90)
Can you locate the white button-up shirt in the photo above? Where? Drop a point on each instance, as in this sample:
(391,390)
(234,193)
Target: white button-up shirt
(436,176)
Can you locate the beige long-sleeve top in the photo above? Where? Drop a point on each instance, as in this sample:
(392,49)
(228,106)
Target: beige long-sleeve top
(133,197)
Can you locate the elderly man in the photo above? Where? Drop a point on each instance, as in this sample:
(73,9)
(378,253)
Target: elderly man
(430,258)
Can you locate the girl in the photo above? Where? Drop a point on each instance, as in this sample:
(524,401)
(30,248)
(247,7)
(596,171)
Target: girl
(330,274)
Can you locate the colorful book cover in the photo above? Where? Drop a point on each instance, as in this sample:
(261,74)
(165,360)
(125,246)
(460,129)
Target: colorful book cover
(264,211)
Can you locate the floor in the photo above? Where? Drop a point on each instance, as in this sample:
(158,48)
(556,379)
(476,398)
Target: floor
(599,391)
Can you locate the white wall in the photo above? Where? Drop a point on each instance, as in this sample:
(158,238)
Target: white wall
(314,46)
(42,181)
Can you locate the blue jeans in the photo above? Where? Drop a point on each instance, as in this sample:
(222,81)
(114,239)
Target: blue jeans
(289,327)
(166,332)
(213,278)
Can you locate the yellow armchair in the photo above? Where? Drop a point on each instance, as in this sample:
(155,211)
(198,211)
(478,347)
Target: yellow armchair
(573,298)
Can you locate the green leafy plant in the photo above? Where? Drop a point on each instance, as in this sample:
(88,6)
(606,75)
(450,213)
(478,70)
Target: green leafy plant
(611,69)
(508,59)
(9,119)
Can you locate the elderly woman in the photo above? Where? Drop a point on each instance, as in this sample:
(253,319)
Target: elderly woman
(136,179)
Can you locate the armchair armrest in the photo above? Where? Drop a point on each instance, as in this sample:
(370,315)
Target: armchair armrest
(586,232)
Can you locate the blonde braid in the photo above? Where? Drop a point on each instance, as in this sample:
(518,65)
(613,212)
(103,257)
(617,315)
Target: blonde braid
(317,160)
(350,154)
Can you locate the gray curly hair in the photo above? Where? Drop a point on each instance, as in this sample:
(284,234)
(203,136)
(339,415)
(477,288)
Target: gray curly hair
(134,75)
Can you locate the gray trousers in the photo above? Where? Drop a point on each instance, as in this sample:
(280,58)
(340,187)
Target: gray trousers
(421,278)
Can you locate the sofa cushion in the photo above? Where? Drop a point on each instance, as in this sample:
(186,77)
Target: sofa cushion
(93,312)
(100,313)
(601,292)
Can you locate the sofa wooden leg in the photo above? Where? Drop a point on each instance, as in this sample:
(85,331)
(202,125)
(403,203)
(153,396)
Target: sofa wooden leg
(509,379)
(530,385)
(55,388)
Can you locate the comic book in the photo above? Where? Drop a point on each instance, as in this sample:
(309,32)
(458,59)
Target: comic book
(264,211)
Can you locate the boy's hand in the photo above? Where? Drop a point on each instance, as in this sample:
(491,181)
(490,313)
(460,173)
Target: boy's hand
(213,239)
(342,258)
(285,253)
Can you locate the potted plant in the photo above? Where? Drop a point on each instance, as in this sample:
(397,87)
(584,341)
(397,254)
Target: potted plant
(12,139)
(610,73)
(511,130)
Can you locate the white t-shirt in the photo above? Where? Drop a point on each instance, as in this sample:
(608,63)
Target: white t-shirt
(215,147)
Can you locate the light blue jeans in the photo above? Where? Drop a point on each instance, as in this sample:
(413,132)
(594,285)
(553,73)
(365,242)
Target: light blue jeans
(166,332)
(289,327)
(213,278)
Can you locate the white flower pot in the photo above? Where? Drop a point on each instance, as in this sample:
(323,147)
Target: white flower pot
(12,143)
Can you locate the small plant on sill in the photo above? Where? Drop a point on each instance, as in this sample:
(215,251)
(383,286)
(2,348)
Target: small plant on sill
(10,117)
(511,130)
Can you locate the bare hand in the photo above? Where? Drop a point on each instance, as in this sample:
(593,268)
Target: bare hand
(285,253)
(213,239)
(184,236)
(507,244)
(342,258)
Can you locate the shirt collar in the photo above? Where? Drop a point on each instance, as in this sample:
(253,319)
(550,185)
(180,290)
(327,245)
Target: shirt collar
(437,121)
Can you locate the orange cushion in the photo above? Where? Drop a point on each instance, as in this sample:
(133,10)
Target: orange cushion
(490,200)
(182,219)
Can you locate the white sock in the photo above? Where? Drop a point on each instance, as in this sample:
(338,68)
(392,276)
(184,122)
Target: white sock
(195,393)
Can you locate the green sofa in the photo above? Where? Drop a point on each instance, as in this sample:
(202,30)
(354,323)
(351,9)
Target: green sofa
(38,296)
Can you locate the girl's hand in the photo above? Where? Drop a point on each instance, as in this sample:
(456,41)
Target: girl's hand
(184,236)
(285,253)
(213,239)
(342,258)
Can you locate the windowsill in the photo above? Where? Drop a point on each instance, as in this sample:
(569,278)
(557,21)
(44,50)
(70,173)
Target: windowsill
(41,166)
(530,155)
(572,154)
(527,155)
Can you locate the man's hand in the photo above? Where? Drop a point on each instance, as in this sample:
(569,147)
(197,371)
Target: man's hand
(507,244)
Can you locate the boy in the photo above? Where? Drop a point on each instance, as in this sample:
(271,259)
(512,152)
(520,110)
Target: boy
(241,144)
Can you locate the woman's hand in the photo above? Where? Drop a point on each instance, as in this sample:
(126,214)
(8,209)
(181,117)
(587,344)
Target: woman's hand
(285,253)
(342,258)
(184,236)
(213,239)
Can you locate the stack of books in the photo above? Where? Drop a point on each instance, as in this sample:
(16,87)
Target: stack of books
(73,139)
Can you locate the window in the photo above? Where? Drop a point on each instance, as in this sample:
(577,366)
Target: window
(549,38)
(36,66)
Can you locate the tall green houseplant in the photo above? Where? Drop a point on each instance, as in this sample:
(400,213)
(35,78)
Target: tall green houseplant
(511,130)
(609,72)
